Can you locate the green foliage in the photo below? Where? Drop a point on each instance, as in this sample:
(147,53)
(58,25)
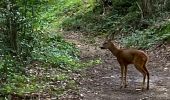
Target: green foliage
(131,20)
(19,84)
(8,66)
(147,38)
(54,50)
(124,6)
(124,15)
(12,75)
(90,19)
(36,39)
(164,32)
(140,39)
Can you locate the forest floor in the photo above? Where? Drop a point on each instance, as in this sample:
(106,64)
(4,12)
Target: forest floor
(102,81)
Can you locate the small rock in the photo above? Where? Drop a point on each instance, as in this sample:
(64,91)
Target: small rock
(81,95)
(139,89)
(145,98)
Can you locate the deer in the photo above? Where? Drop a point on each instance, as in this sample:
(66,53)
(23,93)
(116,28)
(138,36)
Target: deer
(129,56)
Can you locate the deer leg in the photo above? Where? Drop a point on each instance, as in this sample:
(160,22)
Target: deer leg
(142,70)
(125,85)
(143,84)
(122,76)
(147,73)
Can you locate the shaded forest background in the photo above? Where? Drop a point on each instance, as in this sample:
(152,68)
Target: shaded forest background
(34,55)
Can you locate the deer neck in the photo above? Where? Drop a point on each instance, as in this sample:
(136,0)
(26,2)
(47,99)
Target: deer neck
(114,50)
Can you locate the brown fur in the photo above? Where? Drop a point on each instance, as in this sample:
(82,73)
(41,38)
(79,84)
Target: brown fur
(126,57)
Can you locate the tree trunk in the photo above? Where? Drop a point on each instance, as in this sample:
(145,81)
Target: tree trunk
(12,30)
(147,7)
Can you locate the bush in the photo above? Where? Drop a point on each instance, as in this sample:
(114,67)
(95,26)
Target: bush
(8,66)
(147,38)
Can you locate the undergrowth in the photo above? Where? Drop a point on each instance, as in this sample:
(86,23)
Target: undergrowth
(55,58)
(147,38)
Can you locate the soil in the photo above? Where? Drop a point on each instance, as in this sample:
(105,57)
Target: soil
(102,81)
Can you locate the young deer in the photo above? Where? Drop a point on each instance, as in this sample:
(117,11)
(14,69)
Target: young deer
(126,57)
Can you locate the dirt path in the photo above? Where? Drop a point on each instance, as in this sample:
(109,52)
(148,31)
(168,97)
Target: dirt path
(101,82)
